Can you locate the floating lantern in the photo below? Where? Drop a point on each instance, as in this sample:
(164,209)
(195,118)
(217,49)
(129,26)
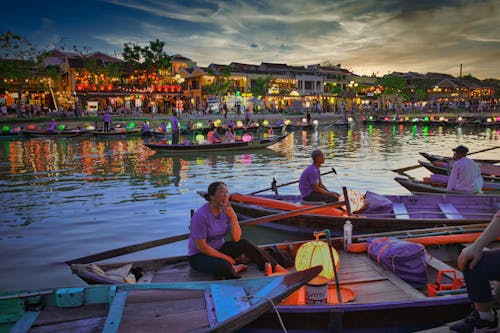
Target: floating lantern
(60,127)
(304,121)
(287,122)
(5,128)
(316,253)
(265,122)
(239,124)
(199,138)
(247,138)
(315,122)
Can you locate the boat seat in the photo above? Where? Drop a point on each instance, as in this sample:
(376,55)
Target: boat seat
(450,211)
(400,211)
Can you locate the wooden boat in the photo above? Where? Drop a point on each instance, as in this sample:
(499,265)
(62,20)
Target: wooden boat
(216,306)
(437,184)
(433,158)
(490,172)
(382,300)
(117,133)
(211,147)
(68,133)
(382,212)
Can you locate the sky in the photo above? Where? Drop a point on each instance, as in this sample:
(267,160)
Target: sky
(365,36)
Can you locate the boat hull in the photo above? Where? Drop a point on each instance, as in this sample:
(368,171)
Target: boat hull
(438,185)
(54,134)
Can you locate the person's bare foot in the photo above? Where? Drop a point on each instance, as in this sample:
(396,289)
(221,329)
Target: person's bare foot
(280,269)
(239,268)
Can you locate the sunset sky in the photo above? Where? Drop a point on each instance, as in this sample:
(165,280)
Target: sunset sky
(365,36)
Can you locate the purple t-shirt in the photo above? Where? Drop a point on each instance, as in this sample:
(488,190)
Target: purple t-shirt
(174,122)
(106,117)
(204,225)
(308,178)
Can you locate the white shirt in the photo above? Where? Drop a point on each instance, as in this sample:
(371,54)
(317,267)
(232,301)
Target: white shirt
(465,177)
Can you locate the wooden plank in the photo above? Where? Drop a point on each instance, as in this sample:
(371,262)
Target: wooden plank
(450,211)
(438,265)
(115,312)
(400,211)
(25,322)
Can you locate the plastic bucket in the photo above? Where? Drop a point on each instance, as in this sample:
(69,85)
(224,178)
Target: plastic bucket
(317,290)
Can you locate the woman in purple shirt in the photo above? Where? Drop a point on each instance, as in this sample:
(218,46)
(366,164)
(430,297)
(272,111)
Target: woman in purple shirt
(208,252)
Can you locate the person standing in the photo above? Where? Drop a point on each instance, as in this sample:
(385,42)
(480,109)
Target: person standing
(106,119)
(310,185)
(465,175)
(208,251)
(480,267)
(176,131)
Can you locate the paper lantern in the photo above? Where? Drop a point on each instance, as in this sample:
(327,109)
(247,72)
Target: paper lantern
(131,125)
(90,128)
(5,128)
(198,125)
(317,253)
(266,122)
(239,124)
(315,122)
(60,127)
(200,138)
(247,138)
(31,127)
(287,122)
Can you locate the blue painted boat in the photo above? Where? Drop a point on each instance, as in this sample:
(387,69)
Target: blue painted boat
(216,306)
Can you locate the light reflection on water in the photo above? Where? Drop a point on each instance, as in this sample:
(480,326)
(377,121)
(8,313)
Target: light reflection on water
(67,198)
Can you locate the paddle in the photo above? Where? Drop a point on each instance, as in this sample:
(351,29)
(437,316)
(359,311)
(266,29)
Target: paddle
(401,170)
(167,240)
(274,186)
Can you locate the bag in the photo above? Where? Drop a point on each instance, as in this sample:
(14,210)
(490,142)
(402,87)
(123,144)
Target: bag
(284,259)
(406,260)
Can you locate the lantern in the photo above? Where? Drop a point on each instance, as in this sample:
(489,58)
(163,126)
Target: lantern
(198,125)
(247,138)
(317,253)
(287,122)
(200,138)
(239,124)
(266,122)
(61,127)
(5,128)
(315,122)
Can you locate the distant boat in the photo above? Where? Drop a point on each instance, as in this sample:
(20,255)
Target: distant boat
(433,158)
(214,147)
(490,172)
(117,133)
(54,134)
(214,306)
(437,184)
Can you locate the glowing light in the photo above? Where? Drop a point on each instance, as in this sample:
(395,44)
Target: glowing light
(60,127)
(315,122)
(247,138)
(200,138)
(239,124)
(5,128)
(317,253)
(287,122)
(459,119)
(265,122)
(198,125)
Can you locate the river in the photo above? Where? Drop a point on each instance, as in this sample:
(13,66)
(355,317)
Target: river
(67,198)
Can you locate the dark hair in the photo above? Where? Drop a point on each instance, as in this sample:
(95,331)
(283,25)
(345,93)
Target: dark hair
(212,188)
(315,153)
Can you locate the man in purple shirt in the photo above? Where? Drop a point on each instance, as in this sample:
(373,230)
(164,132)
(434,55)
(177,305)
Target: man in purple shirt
(310,185)
(176,131)
(106,119)
(208,252)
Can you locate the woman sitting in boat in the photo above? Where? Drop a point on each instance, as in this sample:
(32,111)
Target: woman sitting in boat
(214,136)
(230,135)
(208,252)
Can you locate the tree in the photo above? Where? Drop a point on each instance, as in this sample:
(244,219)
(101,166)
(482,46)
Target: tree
(261,86)
(221,83)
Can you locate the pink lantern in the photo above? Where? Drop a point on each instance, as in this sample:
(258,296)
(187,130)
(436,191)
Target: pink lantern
(247,138)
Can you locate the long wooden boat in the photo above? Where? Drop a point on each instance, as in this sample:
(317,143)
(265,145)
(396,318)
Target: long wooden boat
(211,306)
(116,133)
(210,147)
(490,172)
(437,184)
(374,299)
(54,134)
(381,212)
(433,158)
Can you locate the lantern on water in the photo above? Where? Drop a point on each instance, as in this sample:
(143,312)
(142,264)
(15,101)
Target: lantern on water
(200,138)
(316,253)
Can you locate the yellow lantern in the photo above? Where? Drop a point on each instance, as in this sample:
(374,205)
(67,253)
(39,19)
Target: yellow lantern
(266,122)
(239,124)
(316,253)
(200,138)
(287,122)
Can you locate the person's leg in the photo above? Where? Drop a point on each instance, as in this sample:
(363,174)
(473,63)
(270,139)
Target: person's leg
(318,197)
(218,268)
(253,252)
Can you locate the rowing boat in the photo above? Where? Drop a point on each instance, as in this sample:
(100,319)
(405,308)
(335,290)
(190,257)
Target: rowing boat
(374,298)
(211,147)
(67,133)
(490,172)
(210,306)
(378,212)
(432,158)
(117,133)
(437,184)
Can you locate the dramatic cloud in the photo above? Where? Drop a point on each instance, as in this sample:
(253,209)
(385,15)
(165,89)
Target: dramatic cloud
(365,36)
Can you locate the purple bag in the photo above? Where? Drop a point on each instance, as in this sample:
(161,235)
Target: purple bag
(406,260)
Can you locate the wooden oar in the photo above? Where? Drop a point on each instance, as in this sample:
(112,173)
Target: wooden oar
(147,245)
(273,187)
(400,170)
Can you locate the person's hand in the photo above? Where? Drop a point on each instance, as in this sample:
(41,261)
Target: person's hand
(470,254)
(231,260)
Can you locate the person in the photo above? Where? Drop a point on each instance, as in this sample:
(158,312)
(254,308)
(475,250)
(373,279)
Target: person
(465,175)
(230,135)
(106,119)
(310,185)
(480,267)
(247,116)
(4,111)
(176,131)
(52,126)
(209,252)
(163,127)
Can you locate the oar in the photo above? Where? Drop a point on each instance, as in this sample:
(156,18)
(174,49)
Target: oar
(167,240)
(285,184)
(400,170)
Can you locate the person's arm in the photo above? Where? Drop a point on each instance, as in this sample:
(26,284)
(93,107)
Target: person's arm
(452,179)
(203,247)
(235,226)
(474,251)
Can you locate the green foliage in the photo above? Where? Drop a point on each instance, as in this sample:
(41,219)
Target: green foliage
(221,83)
(393,84)
(261,86)
(151,58)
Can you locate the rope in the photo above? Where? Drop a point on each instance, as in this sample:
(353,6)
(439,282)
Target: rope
(249,297)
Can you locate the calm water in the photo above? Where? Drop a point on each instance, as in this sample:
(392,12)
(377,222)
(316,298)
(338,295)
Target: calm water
(63,199)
